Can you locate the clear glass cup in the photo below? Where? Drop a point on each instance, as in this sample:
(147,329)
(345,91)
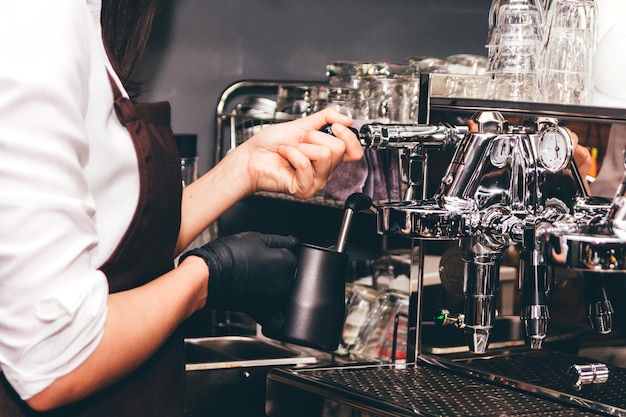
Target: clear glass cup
(514,49)
(389,92)
(467,76)
(514,86)
(343,74)
(361,301)
(386,323)
(573,15)
(339,98)
(567,59)
(293,102)
(388,100)
(567,72)
(505,12)
(515,75)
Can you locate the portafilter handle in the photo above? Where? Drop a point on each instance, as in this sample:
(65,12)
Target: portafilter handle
(405,136)
(382,136)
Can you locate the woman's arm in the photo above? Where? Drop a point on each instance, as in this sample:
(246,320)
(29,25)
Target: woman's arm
(138,322)
(293,158)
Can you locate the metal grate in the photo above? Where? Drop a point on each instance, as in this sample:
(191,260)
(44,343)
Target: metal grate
(423,389)
(548,371)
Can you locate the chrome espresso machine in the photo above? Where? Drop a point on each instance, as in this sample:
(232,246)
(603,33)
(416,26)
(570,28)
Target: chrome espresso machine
(506,185)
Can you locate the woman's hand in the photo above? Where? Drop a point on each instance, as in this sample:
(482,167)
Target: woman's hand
(582,157)
(295,157)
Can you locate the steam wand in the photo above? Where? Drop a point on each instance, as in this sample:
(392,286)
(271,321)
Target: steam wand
(355,202)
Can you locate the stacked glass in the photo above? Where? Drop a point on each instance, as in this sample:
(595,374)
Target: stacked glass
(466,76)
(570,44)
(514,45)
(381,91)
(542,50)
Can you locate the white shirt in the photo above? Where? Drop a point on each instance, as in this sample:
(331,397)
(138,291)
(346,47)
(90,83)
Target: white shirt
(69,186)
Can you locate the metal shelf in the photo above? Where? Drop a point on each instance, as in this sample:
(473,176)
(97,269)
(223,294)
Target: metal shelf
(585,113)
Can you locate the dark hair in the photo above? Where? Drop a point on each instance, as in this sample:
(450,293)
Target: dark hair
(126,26)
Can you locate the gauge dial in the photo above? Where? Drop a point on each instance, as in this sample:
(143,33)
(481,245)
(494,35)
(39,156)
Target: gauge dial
(500,151)
(555,148)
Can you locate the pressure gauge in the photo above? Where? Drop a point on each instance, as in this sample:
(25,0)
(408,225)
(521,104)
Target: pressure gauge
(555,148)
(500,151)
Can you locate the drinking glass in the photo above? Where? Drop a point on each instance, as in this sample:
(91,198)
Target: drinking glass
(343,74)
(293,102)
(386,324)
(506,12)
(361,301)
(466,76)
(567,76)
(573,15)
(339,98)
(515,75)
(570,42)
(514,44)
(388,91)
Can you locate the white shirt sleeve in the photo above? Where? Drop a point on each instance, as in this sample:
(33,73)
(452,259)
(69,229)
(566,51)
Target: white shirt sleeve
(52,296)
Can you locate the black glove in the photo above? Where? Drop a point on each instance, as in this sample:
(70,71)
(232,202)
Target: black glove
(250,272)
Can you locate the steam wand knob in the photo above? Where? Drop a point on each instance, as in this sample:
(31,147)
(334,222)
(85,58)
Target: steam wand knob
(443,317)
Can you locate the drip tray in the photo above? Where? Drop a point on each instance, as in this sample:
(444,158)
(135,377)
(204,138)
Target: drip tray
(421,390)
(545,373)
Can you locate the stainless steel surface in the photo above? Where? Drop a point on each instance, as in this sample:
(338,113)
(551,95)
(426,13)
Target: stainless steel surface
(570,224)
(599,308)
(591,373)
(482,272)
(415,391)
(594,252)
(354,203)
(544,373)
(222,352)
(506,185)
(384,136)
(507,332)
(428,103)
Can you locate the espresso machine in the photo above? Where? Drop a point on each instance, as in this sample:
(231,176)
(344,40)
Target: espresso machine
(506,186)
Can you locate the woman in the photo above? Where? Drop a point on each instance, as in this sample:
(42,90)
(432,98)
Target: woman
(92,216)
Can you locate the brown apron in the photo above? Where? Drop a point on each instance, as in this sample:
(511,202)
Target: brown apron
(156,389)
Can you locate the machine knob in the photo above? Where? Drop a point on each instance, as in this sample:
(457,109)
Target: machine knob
(443,317)
(490,122)
(593,373)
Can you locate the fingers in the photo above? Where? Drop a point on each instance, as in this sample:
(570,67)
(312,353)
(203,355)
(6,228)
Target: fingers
(344,143)
(353,149)
(473,126)
(278,241)
(302,180)
(297,158)
(582,159)
(582,156)
(327,116)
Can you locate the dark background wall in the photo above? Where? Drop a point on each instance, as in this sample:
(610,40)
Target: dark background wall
(199,47)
